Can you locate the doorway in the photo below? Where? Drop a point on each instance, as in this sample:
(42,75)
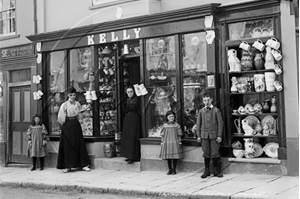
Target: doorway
(19,117)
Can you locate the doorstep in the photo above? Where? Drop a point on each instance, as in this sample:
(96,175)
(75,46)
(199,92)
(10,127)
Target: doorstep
(263,166)
(116,163)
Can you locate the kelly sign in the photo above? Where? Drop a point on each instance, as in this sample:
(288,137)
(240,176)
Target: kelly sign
(102,38)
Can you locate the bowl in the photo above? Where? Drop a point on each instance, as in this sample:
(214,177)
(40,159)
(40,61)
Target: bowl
(238,153)
(235,111)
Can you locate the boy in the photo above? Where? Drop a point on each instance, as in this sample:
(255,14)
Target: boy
(209,130)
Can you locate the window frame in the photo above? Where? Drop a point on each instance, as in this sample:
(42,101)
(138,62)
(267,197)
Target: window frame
(9,19)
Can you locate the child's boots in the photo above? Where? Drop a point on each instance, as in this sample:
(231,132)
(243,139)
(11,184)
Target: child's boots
(41,163)
(206,171)
(33,164)
(170,167)
(217,167)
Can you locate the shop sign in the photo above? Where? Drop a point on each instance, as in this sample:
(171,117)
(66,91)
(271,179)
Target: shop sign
(17,51)
(114,36)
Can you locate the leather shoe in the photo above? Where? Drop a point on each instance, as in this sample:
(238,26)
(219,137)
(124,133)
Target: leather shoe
(129,161)
(126,160)
(174,172)
(169,172)
(32,169)
(66,170)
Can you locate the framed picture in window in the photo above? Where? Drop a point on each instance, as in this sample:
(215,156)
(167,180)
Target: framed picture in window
(211,81)
(104,3)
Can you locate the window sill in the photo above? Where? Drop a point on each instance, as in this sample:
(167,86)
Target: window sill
(255,160)
(9,37)
(87,139)
(157,141)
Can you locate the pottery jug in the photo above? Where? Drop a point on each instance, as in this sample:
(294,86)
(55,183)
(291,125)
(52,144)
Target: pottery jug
(237,123)
(256,32)
(246,61)
(259,61)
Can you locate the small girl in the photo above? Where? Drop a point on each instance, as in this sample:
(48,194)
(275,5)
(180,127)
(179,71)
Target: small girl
(37,133)
(171,140)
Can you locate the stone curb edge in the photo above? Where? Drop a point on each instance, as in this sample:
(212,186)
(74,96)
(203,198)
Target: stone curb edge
(117,191)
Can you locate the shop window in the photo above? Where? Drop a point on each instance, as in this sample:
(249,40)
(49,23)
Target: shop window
(194,62)
(108,92)
(161,81)
(7,17)
(251,29)
(83,80)
(57,84)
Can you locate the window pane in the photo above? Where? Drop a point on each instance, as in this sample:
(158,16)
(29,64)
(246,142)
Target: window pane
(82,79)
(251,29)
(108,92)
(194,60)
(160,82)
(57,84)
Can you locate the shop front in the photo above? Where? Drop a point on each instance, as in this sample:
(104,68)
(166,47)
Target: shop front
(176,56)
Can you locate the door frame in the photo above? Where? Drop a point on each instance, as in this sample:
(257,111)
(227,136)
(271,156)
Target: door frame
(9,115)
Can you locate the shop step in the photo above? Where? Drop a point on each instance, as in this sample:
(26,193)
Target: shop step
(116,163)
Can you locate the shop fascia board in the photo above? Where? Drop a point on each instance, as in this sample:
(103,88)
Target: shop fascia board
(140,21)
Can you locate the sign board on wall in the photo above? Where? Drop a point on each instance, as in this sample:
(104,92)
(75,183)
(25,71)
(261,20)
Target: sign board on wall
(17,51)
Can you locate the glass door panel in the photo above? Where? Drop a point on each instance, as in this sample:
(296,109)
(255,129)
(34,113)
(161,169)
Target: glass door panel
(160,82)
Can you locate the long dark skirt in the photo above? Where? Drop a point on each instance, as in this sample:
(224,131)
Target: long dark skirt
(72,151)
(130,143)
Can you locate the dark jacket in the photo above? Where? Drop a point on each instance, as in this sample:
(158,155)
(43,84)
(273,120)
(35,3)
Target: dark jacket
(209,123)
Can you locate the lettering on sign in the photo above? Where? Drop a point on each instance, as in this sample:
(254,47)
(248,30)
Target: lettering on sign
(17,51)
(114,36)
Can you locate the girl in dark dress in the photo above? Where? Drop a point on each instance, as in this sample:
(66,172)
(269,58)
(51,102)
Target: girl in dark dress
(130,144)
(72,152)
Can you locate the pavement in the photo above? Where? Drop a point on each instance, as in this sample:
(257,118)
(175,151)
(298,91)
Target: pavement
(155,183)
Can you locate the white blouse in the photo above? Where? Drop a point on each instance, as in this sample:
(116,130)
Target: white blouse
(68,109)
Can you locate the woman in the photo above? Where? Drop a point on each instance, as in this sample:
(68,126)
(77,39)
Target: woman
(72,151)
(130,145)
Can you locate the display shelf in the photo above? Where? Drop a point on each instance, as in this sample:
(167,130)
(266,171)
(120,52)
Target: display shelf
(253,136)
(253,93)
(255,114)
(250,71)
(233,43)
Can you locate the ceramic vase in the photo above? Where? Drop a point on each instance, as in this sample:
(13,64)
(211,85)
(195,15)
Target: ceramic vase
(259,82)
(270,79)
(246,61)
(259,61)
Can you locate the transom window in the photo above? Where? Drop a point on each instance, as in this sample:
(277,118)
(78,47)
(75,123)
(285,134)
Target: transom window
(7,17)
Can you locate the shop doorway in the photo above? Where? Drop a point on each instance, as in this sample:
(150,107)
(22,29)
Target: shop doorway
(130,75)
(19,115)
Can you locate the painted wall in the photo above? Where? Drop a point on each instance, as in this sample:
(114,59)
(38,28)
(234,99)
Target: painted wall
(24,24)
(290,87)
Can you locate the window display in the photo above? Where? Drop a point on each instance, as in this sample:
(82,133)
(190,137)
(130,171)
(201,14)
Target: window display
(160,82)
(107,88)
(57,87)
(194,77)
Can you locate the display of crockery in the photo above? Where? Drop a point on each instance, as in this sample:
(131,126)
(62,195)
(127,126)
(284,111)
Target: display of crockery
(252,121)
(258,150)
(241,110)
(271,149)
(257,107)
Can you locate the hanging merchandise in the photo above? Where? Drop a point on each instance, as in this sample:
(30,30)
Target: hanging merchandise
(36,79)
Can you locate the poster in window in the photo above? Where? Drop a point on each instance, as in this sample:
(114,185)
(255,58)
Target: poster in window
(211,81)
